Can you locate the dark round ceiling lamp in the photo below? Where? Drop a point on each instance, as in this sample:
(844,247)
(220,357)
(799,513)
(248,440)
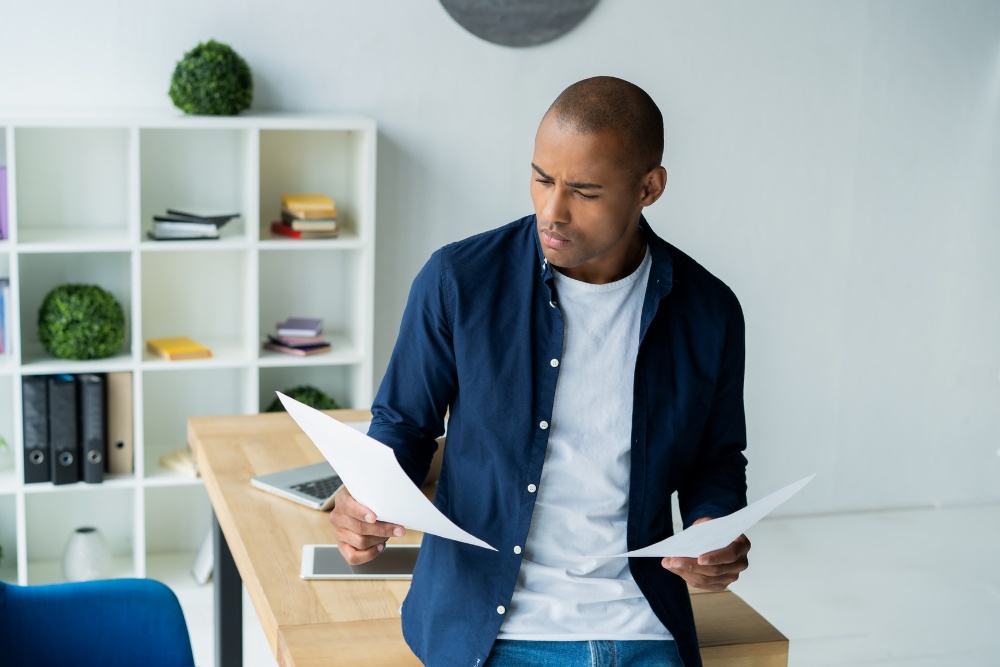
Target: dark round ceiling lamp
(518,22)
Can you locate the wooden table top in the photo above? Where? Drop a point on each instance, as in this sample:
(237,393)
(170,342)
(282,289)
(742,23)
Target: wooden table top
(352,622)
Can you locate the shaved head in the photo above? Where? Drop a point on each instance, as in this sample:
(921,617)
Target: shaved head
(606,104)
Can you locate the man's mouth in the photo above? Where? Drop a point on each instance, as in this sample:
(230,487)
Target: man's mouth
(553,240)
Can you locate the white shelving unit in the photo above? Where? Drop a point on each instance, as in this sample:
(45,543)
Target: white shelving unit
(82,193)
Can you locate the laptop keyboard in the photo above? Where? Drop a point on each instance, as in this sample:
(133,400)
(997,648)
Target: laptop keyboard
(321,489)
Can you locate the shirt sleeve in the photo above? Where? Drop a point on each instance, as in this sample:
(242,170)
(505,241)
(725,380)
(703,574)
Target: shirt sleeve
(421,381)
(717,483)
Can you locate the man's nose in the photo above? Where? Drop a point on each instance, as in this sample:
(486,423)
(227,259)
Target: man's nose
(555,209)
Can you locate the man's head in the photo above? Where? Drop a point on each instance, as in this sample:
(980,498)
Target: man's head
(596,165)
(606,104)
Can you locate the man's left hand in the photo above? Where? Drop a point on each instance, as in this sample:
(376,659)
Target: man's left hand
(715,570)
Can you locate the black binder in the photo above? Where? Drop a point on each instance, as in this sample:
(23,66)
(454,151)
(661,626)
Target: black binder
(93,426)
(64,441)
(35,403)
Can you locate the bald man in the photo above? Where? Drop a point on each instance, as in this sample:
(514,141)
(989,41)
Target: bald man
(591,369)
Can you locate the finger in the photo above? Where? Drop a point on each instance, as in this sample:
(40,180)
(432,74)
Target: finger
(345,503)
(736,550)
(350,514)
(690,565)
(378,529)
(707,581)
(355,556)
(359,542)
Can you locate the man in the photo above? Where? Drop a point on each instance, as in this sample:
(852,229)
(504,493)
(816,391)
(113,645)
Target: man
(590,369)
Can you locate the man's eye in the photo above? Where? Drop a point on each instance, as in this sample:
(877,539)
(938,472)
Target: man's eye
(543,181)
(586,196)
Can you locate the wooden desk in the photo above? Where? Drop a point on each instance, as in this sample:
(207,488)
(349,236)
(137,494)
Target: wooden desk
(325,623)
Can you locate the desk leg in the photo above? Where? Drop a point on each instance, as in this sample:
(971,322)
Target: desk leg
(228,603)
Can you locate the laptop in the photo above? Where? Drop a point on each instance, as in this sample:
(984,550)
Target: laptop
(312,485)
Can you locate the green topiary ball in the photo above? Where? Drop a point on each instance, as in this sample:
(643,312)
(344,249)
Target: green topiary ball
(81,322)
(212,80)
(307,394)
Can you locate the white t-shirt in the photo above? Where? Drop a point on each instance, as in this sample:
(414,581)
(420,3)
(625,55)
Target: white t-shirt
(582,503)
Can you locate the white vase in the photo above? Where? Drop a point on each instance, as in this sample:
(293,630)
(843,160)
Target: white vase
(87,556)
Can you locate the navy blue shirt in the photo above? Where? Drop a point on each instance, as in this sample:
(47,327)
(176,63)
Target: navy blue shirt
(480,328)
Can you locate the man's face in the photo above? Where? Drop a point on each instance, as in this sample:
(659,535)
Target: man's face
(586,202)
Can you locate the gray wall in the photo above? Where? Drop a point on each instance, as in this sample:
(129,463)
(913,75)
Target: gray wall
(835,162)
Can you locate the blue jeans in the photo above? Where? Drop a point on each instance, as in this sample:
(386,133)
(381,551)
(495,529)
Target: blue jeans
(599,653)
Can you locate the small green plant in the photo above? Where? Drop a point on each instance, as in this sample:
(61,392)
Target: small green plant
(212,80)
(307,394)
(81,322)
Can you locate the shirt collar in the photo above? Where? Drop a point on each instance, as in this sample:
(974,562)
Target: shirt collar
(661,273)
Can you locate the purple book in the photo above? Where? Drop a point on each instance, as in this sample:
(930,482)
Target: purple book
(3,202)
(300,326)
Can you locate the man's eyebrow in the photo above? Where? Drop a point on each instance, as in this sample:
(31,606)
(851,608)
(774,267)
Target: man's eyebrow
(576,185)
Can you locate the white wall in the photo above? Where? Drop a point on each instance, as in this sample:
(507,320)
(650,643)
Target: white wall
(835,162)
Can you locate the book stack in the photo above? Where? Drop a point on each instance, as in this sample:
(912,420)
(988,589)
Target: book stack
(183,226)
(306,216)
(300,336)
(76,427)
(177,348)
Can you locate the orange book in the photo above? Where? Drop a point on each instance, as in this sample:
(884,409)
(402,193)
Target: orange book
(177,348)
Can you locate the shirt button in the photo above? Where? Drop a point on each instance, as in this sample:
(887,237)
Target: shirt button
(532,488)
(543,425)
(517,550)
(552,304)
(554,363)
(501,610)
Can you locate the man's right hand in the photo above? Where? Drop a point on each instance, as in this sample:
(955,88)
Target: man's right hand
(360,536)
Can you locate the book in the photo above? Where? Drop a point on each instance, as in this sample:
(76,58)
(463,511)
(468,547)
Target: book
(308,224)
(177,348)
(119,402)
(217,219)
(5,316)
(3,202)
(185,228)
(300,326)
(297,341)
(317,214)
(297,202)
(178,237)
(298,351)
(180,461)
(282,229)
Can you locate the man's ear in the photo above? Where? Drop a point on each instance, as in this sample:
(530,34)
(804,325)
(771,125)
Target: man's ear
(653,184)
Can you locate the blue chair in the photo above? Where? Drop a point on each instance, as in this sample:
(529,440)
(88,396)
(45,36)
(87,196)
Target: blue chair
(107,623)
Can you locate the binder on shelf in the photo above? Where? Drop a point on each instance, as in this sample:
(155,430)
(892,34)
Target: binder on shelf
(35,403)
(64,442)
(93,426)
(119,424)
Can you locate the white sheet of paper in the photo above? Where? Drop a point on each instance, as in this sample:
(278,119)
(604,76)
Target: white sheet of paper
(371,473)
(718,533)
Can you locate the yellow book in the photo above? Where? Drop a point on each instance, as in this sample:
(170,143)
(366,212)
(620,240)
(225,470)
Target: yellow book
(302,204)
(179,347)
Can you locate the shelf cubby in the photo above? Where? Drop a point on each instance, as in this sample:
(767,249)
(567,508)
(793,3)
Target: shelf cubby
(64,509)
(337,382)
(41,272)
(73,185)
(199,171)
(8,537)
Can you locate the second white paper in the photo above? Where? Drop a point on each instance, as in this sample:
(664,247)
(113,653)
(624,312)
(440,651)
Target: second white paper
(718,533)
(372,474)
